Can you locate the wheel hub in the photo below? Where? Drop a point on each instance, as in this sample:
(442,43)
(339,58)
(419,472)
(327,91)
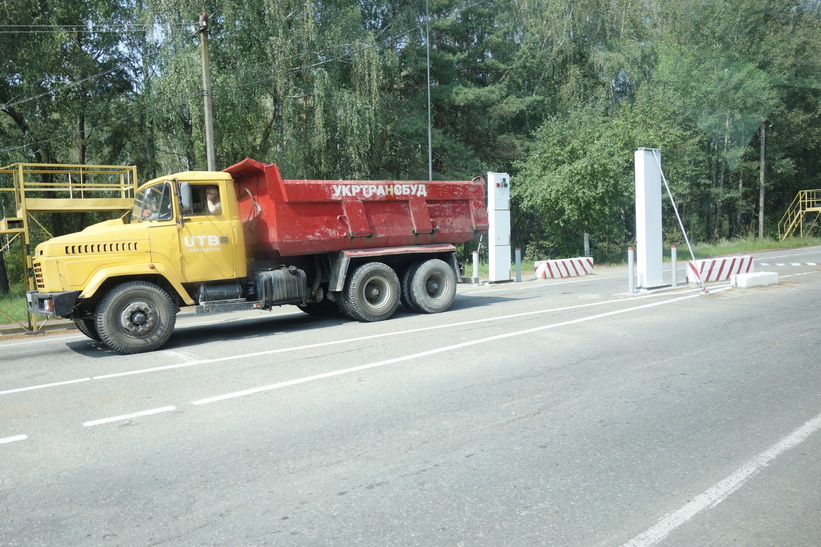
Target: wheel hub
(138,318)
(372,292)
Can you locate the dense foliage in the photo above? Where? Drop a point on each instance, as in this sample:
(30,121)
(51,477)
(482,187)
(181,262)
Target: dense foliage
(559,93)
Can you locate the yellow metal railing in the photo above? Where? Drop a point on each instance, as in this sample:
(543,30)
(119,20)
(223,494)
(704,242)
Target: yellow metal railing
(50,188)
(60,188)
(794,219)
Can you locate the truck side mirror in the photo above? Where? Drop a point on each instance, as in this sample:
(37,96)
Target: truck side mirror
(186,200)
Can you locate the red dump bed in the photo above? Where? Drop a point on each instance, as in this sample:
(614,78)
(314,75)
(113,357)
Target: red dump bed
(298,217)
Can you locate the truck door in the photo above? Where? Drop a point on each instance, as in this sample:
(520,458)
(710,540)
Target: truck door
(207,238)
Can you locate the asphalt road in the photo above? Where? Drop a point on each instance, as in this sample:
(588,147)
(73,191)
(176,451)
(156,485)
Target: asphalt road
(552,412)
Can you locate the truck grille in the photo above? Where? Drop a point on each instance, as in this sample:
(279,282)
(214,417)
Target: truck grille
(38,275)
(97,248)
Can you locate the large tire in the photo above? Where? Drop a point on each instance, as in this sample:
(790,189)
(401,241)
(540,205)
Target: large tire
(87,327)
(371,293)
(407,276)
(432,287)
(135,317)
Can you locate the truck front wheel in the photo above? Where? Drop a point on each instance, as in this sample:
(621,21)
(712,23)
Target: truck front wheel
(135,317)
(371,293)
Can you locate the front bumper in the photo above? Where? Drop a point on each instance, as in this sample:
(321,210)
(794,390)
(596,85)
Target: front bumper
(56,304)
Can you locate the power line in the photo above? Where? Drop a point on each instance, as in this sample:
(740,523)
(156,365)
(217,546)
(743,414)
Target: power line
(291,71)
(59,89)
(75,133)
(86,29)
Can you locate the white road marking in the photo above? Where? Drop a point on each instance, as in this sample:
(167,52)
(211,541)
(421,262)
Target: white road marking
(508,287)
(791,264)
(181,355)
(189,363)
(718,493)
(43,386)
(14,439)
(443,349)
(41,340)
(129,416)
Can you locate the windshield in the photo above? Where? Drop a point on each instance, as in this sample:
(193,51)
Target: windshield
(152,203)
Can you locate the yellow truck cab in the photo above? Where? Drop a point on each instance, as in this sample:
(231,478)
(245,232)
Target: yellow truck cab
(123,280)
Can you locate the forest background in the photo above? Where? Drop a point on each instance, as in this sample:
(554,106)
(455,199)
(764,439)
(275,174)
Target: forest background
(558,93)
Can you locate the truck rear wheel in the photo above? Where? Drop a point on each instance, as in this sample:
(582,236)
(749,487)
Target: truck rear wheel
(87,327)
(432,287)
(407,277)
(371,293)
(135,317)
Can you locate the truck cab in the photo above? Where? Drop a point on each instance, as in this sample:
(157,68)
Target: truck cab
(171,242)
(193,226)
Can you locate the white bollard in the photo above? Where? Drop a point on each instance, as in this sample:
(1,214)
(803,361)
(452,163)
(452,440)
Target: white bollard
(674,260)
(475,267)
(631,273)
(518,265)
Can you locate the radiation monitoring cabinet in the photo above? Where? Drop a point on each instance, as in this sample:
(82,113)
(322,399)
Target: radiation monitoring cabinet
(498,212)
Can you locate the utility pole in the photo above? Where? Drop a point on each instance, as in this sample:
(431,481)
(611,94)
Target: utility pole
(430,136)
(202,30)
(762,179)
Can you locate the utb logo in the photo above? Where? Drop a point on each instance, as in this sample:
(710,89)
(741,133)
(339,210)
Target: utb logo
(202,241)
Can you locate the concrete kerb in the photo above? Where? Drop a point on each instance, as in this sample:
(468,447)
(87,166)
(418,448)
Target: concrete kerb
(754,279)
(8,330)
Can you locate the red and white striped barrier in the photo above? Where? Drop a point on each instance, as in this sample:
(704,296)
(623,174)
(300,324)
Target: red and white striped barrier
(563,267)
(718,269)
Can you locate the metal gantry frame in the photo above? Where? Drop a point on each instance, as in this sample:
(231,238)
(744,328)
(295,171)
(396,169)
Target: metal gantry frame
(805,202)
(58,188)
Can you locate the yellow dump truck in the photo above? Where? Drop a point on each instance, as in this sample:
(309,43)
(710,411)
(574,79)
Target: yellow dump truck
(244,238)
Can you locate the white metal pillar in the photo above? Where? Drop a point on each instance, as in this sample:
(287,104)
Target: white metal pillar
(648,218)
(498,204)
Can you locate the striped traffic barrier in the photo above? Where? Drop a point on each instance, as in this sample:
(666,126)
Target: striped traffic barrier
(718,269)
(563,267)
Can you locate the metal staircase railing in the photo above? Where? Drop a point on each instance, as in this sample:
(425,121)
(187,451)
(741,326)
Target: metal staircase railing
(57,188)
(806,201)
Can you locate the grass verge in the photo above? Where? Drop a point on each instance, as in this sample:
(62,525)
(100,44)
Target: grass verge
(13,305)
(748,245)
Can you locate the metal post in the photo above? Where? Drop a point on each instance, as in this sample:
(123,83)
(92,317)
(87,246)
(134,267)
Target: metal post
(427,50)
(475,267)
(631,274)
(518,265)
(674,260)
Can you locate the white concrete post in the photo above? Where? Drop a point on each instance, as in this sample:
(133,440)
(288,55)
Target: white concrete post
(648,218)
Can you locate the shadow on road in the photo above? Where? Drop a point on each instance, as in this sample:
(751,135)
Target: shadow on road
(185,336)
